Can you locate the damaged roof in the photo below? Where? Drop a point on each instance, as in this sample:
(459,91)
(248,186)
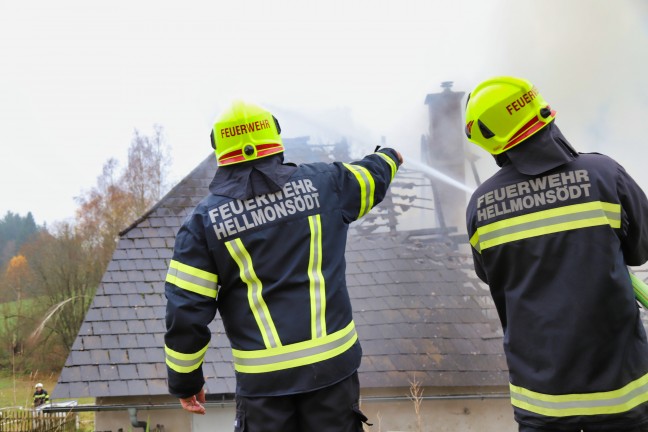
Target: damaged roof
(419,310)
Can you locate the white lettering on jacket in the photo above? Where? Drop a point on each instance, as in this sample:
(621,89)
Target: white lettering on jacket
(234,217)
(540,191)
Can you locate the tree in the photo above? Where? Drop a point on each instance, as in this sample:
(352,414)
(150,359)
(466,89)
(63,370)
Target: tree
(63,266)
(148,162)
(18,276)
(16,314)
(14,231)
(104,211)
(120,198)
(68,269)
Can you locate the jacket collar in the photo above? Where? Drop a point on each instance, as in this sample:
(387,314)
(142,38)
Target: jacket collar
(542,152)
(250,179)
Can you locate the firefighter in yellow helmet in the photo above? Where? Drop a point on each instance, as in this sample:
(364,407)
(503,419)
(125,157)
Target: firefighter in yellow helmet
(265,249)
(552,234)
(245,132)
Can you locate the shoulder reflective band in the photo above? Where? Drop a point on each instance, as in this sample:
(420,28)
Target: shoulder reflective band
(367,187)
(316,278)
(255,293)
(391,163)
(184,363)
(295,355)
(544,222)
(192,279)
(608,402)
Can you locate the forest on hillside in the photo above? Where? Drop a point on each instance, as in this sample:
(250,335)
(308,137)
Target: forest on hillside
(49,274)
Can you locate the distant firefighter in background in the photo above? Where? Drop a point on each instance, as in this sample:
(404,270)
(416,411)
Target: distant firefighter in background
(552,234)
(41,397)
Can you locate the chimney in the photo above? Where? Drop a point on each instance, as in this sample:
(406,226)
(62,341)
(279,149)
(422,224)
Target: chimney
(443,149)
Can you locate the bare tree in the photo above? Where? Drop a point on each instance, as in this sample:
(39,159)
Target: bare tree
(148,163)
(120,198)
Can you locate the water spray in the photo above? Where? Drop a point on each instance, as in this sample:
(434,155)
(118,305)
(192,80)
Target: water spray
(412,162)
(420,166)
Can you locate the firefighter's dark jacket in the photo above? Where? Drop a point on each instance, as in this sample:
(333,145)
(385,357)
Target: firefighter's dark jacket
(554,250)
(41,397)
(273,266)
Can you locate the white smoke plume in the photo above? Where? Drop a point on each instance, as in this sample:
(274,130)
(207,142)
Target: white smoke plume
(589,59)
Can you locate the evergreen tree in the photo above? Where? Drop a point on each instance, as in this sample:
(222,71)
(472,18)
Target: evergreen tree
(15,230)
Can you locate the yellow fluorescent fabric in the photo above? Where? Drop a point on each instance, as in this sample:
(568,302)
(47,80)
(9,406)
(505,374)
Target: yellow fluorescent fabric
(550,221)
(391,163)
(184,363)
(609,402)
(255,293)
(317,282)
(294,355)
(192,279)
(367,187)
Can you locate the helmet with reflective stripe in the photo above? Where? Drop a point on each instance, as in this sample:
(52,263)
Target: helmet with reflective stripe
(502,112)
(245,132)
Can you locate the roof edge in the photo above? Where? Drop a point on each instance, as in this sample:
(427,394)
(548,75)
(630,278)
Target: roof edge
(146,214)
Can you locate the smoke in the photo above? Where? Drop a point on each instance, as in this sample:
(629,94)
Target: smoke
(588,59)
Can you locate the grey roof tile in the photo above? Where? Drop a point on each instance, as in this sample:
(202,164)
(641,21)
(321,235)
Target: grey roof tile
(137,356)
(127,314)
(136,326)
(108,314)
(127,371)
(118,356)
(89,372)
(147,371)
(78,358)
(146,341)
(118,388)
(118,327)
(127,340)
(108,372)
(70,373)
(99,357)
(109,342)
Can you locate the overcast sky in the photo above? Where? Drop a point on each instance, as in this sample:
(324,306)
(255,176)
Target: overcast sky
(77,77)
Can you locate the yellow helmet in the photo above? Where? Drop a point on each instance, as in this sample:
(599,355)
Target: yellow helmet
(502,112)
(245,132)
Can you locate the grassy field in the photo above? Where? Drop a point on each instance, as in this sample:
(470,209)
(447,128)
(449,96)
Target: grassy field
(24,390)
(18,392)
(9,309)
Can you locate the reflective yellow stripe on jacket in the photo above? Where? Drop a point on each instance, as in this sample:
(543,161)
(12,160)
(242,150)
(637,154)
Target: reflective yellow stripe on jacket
(390,161)
(317,282)
(367,187)
(184,362)
(255,293)
(192,279)
(550,221)
(608,402)
(277,356)
(294,355)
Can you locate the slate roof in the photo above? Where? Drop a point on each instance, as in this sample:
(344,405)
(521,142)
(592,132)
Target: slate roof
(419,310)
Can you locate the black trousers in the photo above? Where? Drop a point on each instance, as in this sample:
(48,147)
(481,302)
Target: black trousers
(643,428)
(331,409)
